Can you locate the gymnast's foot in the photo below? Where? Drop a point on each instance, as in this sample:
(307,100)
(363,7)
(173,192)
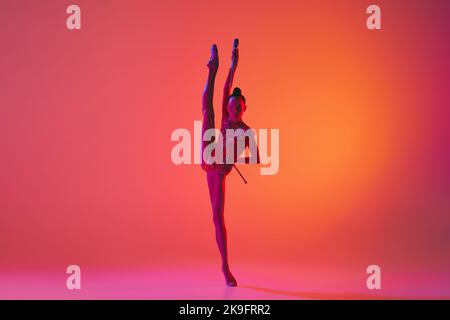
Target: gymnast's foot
(213,63)
(229,279)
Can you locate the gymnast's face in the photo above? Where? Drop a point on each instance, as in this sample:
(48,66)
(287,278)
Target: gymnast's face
(236,107)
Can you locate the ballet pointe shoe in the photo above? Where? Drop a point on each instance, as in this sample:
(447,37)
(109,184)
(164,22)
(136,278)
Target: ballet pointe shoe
(229,279)
(213,63)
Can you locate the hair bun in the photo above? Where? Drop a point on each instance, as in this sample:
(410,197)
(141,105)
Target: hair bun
(237,92)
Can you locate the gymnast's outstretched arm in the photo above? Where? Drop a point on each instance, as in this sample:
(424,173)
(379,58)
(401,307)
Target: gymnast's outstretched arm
(230,77)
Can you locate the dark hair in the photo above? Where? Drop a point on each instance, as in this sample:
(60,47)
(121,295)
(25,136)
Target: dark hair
(237,92)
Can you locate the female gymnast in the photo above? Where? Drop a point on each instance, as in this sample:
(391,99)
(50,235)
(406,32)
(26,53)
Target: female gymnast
(233,107)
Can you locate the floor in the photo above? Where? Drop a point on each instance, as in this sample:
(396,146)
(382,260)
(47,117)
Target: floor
(206,282)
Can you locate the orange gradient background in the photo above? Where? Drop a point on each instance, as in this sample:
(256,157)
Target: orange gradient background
(86,118)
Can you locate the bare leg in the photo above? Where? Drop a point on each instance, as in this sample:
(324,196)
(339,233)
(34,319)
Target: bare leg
(216,185)
(207,100)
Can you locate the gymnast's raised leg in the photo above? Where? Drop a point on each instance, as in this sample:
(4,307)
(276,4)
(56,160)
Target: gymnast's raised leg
(215,173)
